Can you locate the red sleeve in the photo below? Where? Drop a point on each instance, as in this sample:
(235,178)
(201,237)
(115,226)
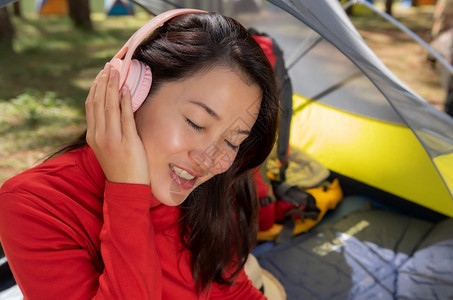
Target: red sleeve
(50,263)
(132,268)
(241,289)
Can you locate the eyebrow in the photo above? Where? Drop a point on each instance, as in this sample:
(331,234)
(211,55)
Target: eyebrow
(245,132)
(209,110)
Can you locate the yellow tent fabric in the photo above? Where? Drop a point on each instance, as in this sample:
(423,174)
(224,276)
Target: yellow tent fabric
(383,155)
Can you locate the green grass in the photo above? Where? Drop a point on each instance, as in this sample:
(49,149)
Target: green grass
(27,121)
(44,82)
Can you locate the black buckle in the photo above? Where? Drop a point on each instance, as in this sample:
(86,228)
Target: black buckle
(266,200)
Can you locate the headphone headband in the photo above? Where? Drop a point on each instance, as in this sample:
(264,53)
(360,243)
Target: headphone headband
(134,41)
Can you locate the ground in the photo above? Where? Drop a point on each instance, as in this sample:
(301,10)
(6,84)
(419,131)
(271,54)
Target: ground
(405,57)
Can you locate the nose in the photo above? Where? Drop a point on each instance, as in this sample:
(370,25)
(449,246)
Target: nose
(203,162)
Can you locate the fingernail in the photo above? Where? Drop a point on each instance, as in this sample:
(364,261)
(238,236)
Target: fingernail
(112,72)
(125,90)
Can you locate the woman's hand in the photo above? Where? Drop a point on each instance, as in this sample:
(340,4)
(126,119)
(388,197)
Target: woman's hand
(111,131)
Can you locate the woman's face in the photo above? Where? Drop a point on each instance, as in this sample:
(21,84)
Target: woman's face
(192,129)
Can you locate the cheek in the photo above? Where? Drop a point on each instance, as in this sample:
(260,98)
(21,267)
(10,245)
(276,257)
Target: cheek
(161,135)
(162,142)
(223,162)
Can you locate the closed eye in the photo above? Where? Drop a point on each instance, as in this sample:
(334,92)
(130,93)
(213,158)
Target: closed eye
(194,126)
(234,147)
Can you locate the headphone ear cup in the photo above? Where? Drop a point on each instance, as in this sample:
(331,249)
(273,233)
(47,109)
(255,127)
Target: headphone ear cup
(138,82)
(135,74)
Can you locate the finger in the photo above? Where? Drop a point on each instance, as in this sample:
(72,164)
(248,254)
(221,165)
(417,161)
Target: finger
(127,115)
(99,99)
(89,110)
(112,106)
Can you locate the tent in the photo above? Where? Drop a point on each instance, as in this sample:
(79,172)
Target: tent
(52,7)
(359,120)
(350,111)
(119,7)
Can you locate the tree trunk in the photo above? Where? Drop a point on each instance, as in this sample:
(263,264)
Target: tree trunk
(388,6)
(6,31)
(17,10)
(79,11)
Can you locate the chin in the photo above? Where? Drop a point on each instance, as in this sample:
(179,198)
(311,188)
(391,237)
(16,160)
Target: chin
(170,197)
(176,199)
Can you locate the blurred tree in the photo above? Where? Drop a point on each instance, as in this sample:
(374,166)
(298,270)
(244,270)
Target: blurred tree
(442,42)
(388,6)
(6,31)
(16,9)
(79,11)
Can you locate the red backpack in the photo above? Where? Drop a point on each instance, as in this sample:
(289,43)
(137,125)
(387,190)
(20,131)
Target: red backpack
(278,201)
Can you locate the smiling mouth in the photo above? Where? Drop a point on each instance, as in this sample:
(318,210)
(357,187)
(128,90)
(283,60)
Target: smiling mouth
(181,173)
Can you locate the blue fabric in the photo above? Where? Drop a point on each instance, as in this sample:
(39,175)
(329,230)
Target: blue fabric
(262,248)
(121,9)
(355,257)
(428,274)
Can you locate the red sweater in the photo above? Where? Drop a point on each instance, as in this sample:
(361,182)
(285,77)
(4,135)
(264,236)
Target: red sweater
(70,234)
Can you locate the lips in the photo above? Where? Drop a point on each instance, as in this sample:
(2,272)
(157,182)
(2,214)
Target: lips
(181,172)
(182,177)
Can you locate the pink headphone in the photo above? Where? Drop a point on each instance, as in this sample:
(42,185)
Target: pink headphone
(133,73)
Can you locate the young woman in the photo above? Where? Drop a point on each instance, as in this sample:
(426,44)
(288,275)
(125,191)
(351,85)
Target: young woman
(156,204)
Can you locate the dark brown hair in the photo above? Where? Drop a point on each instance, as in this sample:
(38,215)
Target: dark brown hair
(219,218)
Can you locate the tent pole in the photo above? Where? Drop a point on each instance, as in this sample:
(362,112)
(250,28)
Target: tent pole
(311,40)
(395,22)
